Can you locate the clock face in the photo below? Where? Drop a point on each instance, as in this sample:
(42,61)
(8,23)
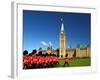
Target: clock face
(61,32)
(62,35)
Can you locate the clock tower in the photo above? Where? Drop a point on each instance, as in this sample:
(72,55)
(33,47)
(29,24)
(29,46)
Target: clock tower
(62,50)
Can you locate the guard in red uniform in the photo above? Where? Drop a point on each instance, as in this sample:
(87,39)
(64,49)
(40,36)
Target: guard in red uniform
(66,59)
(50,61)
(34,62)
(46,60)
(25,61)
(40,59)
(57,62)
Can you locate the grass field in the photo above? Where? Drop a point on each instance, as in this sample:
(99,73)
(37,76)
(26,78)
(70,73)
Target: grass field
(76,62)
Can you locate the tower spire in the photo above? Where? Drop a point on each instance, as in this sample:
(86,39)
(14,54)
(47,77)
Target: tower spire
(62,26)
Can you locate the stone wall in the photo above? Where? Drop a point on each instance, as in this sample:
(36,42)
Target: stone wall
(70,52)
(80,52)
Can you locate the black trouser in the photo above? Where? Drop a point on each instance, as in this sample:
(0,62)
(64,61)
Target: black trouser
(66,63)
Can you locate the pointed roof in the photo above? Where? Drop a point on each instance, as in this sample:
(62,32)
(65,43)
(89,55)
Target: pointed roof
(62,27)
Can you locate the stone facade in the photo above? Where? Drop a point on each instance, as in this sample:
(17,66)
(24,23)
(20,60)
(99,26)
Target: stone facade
(80,52)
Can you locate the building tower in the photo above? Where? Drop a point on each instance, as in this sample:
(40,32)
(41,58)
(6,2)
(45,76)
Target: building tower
(62,50)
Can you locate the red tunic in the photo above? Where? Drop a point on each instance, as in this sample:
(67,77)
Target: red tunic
(46,60)
(66,59)
(26,59)
(50,59)
(40,60)
(30,59)
(56,59)
(35,60)
(34,55)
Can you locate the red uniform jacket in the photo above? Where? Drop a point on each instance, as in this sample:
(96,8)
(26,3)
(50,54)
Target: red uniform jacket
(66,59)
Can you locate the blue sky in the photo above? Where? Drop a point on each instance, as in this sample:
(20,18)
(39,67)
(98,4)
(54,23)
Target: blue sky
(41,28)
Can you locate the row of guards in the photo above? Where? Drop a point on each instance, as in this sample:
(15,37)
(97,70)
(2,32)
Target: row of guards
(33,60)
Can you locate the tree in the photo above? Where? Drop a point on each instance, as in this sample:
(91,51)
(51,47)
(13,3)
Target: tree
(74,55)
(57,52)
(48,48)
(88,45)
(40,53)
(70,46)
(78,45)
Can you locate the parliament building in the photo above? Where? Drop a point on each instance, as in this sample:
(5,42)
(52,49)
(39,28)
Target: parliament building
(63,50)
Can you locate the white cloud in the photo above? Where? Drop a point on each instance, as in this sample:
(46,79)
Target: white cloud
(44,43)
(50,43)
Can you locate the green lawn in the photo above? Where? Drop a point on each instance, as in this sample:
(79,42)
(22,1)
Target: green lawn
(76,62)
